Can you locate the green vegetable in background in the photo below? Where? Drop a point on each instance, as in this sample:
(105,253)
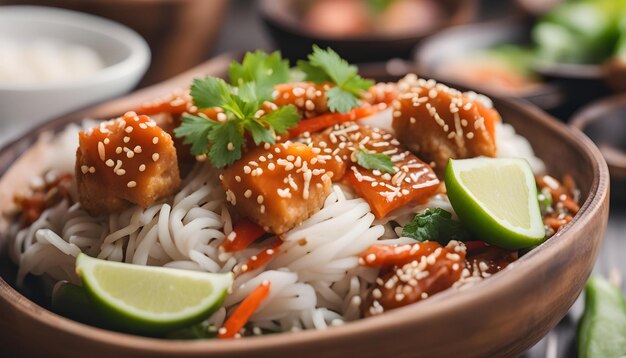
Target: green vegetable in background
(602,328)
(435,224)
(581,32)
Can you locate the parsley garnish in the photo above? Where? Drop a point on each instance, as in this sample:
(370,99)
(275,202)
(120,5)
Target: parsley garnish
(435,224)
(328,66)
(253,83)
(373,161)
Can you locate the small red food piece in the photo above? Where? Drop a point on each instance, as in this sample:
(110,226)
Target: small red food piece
(315,124)
(418,279)
(245,232)
(262,257)
(387,256)
(488,259)
(244,311)
(309,98)
(128,160)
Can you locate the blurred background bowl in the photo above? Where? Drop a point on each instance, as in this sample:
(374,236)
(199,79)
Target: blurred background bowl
(604,121)
(447,56)
(180,32)
(294,34)
(125,56)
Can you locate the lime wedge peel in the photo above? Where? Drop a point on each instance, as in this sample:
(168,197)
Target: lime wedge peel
(496,199)
(151,299)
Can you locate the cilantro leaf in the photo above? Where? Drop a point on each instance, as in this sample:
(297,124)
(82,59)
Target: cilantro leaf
(338,69)
(312,73)
(340,100)
(435,224)
(226,141)
(196,131)
(260,134)
(328,66)
(253,84)
(375,161)
(210,92)
(265,69)
(282,119)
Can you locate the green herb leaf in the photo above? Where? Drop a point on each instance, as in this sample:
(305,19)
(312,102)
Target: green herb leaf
(210,92)
(435,224)
(328,66)
(260,67)
(260,134)
(282,119)
(226,141)
(340,100)
(373,161)
(200,330)
(255,79)
(196,131)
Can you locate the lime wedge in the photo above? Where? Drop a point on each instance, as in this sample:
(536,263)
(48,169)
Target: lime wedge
(496,199)
(148,299)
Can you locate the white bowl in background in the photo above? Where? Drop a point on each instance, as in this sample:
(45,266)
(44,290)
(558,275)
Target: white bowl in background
(125,55)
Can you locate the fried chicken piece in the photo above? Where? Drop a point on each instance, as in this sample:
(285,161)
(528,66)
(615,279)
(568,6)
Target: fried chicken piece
(412,180)
(128,160)
(438,123)
(278,186)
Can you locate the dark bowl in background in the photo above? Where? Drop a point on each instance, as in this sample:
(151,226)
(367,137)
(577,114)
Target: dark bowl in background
(568,86)
(284,24)
(604,121)
(460,41)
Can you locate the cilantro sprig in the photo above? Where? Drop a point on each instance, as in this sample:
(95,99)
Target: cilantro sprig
(328,66)
(375,161)
(435,224)
(252,81)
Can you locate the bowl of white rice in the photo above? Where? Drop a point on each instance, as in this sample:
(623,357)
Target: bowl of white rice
(54,61)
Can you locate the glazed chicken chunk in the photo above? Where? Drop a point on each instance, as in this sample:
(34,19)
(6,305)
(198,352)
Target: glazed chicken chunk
(278,186)
(128,160)
(438,123)
(412,180)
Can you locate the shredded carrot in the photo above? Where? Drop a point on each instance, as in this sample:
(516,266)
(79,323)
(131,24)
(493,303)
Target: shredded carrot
(326,120)
(385,256)
(262,257)
(245,233)
(242,314)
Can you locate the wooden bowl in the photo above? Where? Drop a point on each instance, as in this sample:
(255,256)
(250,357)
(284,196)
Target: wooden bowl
(502,316)
(295,41)
(604,121)
(180,32)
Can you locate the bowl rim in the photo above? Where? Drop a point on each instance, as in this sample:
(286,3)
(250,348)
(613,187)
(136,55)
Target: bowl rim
(137,61)
(463,14)
(426,310)
(594,112)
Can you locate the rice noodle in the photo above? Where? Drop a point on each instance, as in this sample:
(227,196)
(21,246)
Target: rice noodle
(316,281)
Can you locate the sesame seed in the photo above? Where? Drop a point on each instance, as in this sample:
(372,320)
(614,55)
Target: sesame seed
(101,152)
(155,157)
(131,184)
(126,139)
(109,163)
(155,140)
(142,167)
(247,194)
(84,169)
